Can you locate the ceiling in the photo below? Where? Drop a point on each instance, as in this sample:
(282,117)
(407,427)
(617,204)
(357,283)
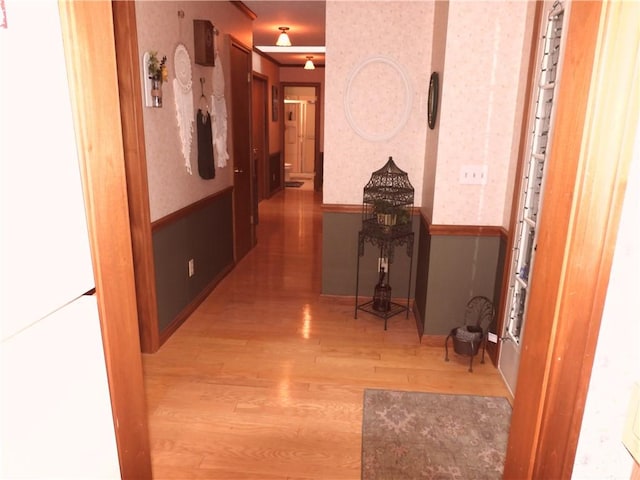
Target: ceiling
(306,22)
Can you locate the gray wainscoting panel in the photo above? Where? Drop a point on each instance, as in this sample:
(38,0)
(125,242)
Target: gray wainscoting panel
(339,250)
(340,256)
(422,276)
(275,173)
(204,234)
(447,270)
(460,267)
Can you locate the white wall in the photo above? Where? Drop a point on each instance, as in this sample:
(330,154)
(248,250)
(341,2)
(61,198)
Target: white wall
(601,454)
(55,409)
(46,261)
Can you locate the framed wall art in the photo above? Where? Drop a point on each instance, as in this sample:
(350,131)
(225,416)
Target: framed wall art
(275,104)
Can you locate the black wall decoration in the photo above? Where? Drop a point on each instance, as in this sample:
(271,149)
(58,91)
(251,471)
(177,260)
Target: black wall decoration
(432,108)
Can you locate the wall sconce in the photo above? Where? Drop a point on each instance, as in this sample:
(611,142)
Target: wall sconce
(283,38)
(309,64)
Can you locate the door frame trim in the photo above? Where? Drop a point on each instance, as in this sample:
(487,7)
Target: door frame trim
(316,153)
(264,182)
(96,110)
(130,92)
(594,121)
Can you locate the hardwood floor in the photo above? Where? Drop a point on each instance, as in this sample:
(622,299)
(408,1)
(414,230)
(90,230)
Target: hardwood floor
(265,380)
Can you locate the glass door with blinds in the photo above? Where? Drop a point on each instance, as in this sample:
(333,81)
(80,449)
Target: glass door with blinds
(531,187)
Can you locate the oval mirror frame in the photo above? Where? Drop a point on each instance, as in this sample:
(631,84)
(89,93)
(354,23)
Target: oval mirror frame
(406,108)
(432,106)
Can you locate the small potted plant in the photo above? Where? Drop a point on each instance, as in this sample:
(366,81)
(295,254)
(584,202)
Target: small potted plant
(403,216)
(157,74)
(385,212)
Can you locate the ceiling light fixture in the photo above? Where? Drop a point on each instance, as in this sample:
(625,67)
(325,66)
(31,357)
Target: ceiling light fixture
(283,38)
(309,64)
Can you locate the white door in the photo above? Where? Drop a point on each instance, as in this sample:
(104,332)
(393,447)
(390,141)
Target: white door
(308,153)
(531,191)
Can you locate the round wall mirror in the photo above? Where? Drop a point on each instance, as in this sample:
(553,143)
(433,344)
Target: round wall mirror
(432,107)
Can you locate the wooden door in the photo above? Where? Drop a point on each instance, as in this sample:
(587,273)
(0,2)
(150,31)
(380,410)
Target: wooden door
(260,144)
(241,133)
(308,116)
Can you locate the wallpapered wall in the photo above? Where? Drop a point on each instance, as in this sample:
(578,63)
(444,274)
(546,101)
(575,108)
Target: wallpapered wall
(441,14)
(159,28)
(357,31)
(480,109)
(485,73)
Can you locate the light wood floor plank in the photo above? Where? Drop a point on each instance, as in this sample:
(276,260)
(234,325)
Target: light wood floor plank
(265,380)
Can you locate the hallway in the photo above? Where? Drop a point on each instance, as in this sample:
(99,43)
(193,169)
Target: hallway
(265,379)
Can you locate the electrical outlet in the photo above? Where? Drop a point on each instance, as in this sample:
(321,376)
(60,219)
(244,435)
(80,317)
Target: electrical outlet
(473,175)
(192,267)
(383,263)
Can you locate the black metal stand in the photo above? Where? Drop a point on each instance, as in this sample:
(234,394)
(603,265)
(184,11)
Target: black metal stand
(386,238)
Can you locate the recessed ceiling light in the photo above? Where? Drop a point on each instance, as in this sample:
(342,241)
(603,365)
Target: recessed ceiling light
(272,49)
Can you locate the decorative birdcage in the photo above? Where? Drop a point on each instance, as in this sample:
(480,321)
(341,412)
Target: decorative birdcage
(387,222)
(387,205)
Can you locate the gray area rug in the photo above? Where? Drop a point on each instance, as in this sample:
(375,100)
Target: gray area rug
(412,435)
(293,184)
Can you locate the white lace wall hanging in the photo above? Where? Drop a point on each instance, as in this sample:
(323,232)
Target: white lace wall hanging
(219,117)
(182,93)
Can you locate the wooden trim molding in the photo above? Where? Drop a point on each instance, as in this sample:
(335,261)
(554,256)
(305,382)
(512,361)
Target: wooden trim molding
(425,217)
(88,34)
(244,9)
(189,309)
(467,230)
(189,209)
(130,91)
(419,320)
(452,230)
(433,340)
(341,208)
(594,121)
(266,57)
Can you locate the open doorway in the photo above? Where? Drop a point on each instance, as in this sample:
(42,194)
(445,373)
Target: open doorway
(301,137)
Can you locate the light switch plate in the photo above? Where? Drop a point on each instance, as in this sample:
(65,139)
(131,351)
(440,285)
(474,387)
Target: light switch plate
(473,175)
